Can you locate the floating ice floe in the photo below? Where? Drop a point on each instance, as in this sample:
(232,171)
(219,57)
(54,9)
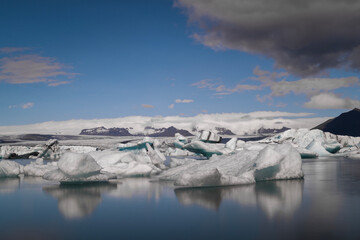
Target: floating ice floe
(210,137)
(178,152)
(180,141)
(244,167)
(77,168)
(129,164)
(136,146)
(38,168)
(314,143)
(6,151)
(10,168)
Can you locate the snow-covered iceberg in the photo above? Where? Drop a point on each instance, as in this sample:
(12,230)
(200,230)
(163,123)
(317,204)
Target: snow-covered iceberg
(77,168)
(314,143)
(210,137)
(38,168)
(129,164)
(244,167)
(10,169)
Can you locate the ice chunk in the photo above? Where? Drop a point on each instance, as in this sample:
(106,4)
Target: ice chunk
(180,138)
(38,169)
(78,165)
(317,147)
(58,175)
(332,146)
(202,148)
(246,166)
(9,168)
(211,177)
(177,152)
(240,143)
(231,144)
(77,149)
(156,156)
(133,169)
(136,146)
(210,137)
(305,153)
(127,164)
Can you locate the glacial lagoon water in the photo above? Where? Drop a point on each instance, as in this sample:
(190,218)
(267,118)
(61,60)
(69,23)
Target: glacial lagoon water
(326,204)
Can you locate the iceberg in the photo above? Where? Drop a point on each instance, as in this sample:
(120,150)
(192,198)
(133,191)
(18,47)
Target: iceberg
(128,164)
(180,138)
(38,168)
(232,144)
(316,141)
(246,166)
(77,168)
(10,168)
(205,149)
(136,146)
(305,153)
(318,148)
(209,137)
(78,165)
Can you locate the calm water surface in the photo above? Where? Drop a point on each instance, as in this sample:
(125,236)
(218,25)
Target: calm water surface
(326,204)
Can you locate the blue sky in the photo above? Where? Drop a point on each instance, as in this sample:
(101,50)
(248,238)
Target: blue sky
(63,60)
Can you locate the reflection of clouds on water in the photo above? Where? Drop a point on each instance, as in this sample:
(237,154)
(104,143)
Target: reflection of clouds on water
(275,198)
(78,201)
(139,187)
(9,185)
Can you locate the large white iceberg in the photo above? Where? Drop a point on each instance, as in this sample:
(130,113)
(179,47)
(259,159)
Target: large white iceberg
(77,168)
(244,167)
(128,164)
(313,143)
(210,149)
(10,168)
(38,168)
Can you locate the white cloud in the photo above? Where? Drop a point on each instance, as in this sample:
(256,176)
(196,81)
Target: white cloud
(32,68)
(27,105)
(55,84)
(23,106)
(184,100)
(331,101)
(220,89)
(171,106)
(8,50)
(147,106)
(311,85)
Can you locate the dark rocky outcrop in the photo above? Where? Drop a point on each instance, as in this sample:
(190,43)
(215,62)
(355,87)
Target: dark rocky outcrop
(270,131)
(345,124)
(224,131)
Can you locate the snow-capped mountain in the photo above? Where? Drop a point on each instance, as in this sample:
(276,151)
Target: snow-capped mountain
(148,131)
(220,123)
(106,131)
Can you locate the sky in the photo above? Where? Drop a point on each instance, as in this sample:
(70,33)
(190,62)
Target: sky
(62,60)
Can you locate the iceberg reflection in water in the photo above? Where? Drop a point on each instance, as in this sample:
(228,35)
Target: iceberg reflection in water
(275,198)
(78,201)
(9,185)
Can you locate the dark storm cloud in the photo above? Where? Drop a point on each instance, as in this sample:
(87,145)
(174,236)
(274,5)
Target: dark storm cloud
(305,37)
